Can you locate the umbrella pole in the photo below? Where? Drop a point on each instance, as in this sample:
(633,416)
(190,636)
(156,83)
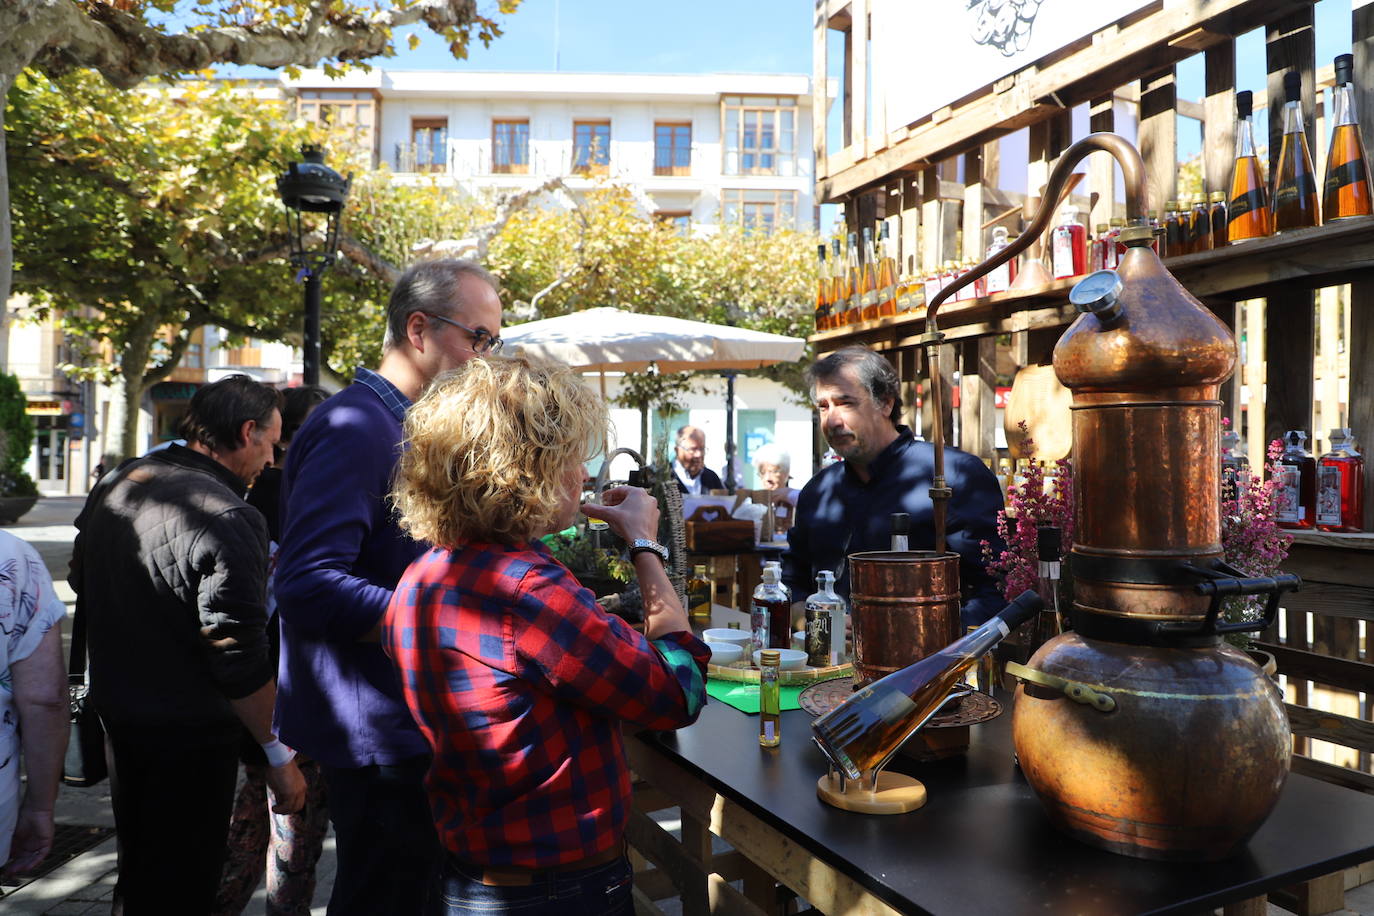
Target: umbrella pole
(730,433)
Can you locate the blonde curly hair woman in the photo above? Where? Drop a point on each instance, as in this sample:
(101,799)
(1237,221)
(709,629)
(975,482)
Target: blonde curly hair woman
(516,677)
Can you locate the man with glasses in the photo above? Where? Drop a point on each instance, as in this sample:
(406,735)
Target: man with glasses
(341,556)
(689,464)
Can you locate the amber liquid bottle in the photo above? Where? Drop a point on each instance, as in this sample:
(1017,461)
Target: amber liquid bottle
(1295,181)
(1247,214)
(823,284)
(1218,219)
(887,278)
(1346,192)
(1202,225)
(868,282)
(861,733)
(839,286)
(855,279)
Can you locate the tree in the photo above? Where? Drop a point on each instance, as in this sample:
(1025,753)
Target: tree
(127,41)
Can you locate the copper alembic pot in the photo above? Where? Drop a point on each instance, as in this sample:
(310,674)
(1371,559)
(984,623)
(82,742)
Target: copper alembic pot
(1140,730)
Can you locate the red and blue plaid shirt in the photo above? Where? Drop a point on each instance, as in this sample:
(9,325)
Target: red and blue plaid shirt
(520,682)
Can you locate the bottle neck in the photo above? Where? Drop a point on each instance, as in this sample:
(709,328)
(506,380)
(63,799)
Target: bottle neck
(1343,105)
(1245,137)
(1292,117)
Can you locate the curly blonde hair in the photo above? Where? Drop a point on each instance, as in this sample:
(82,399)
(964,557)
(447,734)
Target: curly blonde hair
(488,447)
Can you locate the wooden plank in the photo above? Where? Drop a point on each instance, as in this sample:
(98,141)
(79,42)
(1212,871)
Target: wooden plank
(643,903)
(1345,603)
(1219,116)
(972,241)
(1255,906)
(1337,672)
(696,844)
(1289,45)
(1255,442)
(1230,389)
(1102,169)
(976,412)
(1288,355)
(820,85)
(858,52)
(1327,772)
(1336,565)
(847,126)
(1360,348)
(1330,726)
(1313,898)
(1159,137)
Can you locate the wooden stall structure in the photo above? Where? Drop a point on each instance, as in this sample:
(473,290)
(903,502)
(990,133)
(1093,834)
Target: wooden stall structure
(1301,303)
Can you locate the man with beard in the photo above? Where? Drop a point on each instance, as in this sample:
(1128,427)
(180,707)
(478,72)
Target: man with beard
(847,506)
(689,467)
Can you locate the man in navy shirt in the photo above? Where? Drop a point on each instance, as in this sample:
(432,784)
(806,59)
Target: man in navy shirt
(341,556)
(847,506)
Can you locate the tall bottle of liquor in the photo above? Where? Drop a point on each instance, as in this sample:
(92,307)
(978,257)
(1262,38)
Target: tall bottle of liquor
(699,594)
(824,623)
(770,699)
(1247,213)
(1346,192)
(1173,230)
(1049,548)
(1295,181)
(868,280)
(1218,219)
(770,608)
(839,284)
(1069,245)
(1340,485)
(1295,503)
(854,270)
(861,733)
(1000,278)
(1201,232)
(887,277)
(1234,463)
(901,531)
(824,282)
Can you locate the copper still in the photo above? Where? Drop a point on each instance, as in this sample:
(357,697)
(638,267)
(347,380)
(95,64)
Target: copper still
(1140,731)
(905,606)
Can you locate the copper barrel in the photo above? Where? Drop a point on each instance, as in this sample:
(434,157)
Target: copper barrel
(905,606)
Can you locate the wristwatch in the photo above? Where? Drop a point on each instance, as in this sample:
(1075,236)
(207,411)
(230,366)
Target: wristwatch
(639,545)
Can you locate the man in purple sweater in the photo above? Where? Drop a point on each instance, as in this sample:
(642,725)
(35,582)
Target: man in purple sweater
(338,698)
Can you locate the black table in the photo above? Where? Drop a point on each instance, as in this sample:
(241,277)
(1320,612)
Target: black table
(981,845)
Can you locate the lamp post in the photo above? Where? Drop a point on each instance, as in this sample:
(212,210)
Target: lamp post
(311,186)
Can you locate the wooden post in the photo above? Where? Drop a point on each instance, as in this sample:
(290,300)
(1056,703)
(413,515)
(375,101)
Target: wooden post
(820,101)
(973,246)
(933,251)
(1159,137)
(977,381)
(1255,441)
(858,133)
(1219,116)
(1102,168)
(1360,343)
(1289,45)
(1288,358)
(1230,389)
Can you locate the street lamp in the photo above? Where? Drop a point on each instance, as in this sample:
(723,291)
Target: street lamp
(312,187)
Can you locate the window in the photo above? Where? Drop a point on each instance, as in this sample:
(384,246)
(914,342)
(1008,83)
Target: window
(591,147)
(681,220)
(763,210)
(672,149)
(428,145)
(760,135)
(340,108)
(510,147)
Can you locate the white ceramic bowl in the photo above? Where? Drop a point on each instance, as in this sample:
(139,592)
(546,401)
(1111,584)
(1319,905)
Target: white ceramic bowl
(725,653)
(799,640)
(791,659)
(739,638)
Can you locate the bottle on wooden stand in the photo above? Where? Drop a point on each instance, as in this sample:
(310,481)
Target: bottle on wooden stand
(1295,181)
(1247,213)
(823,289)
(824,623)
(1295,503)
(1346,191)
(1340,485)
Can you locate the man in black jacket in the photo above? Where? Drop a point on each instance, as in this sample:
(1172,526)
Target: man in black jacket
(689,466)
(171,567)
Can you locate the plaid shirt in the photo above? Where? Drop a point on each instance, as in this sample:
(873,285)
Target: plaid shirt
(519,682)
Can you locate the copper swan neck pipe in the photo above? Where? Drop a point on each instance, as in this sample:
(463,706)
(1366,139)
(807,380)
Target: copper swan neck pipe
(1133,171)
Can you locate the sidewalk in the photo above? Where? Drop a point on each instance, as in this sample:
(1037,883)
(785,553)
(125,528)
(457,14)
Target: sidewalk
(85,884)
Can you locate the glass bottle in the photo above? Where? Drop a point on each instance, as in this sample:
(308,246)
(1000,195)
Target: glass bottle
(1173,230)
(1295,181)
(1340,485)
(1068,246)
(1218,219)
(699,594)
(770,606)
(1049,545)
(860,734)
(1096,257)
(1000,279)
(931,284)
(1295,503)
(901,531)
(887,277)
(1234,463)
(770,699)
(839,285)
(1111,256)
(855,280)
(823,284)
(1158,241)
(824,641)
(1346,192)
(1247,212)
(1201,225)
(868,282)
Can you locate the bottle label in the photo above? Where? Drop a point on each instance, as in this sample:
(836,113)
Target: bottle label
(758,625)
(1342,176)
(1302,187)
(1063,253)
(889,706)
(818,635)
(866,299)
(1287,504)
(1329,496)
(1239,206)
(769,730)
(999,280)
(884,295)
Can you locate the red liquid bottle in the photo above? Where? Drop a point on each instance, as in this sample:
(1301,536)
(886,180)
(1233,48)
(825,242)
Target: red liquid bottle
(1069,246)
(770,617)
(1340,485)
(1295,503)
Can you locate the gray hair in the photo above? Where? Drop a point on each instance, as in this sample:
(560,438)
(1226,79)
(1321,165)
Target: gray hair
(431,287)
(772,453)
(873,371)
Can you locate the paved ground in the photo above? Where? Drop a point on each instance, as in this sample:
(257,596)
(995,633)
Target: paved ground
(85,884)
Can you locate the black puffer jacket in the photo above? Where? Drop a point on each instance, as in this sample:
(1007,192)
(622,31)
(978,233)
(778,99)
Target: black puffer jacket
(171,568)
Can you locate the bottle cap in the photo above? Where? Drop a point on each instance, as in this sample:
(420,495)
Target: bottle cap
(999,233)
(1101,228)
(1345,69)
(1230,439)
(699,571)
(1339,434)
(770,657)
(772,575)
(1218,197)
(1022,608)
(901,523)
(1118,221)
(1245,102)
(1295,437)
(1292,86)
(1170,205)
(1049,543)
(820,249)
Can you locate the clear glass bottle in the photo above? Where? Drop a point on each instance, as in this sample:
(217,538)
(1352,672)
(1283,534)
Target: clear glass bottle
(1068,246)
(821,635)
(860,734)
(770,605)
(900,523)
(999,280)
(1096,248)
(1346,191)
(699,594)
(1247,213)
(824,285)
(1234,463)
(1295,181)
(1114,249)
(839,284)
(770,699)
(855,279)
(1295,503)
(887,276)
(1340,485)
(1049,546)
(868,282)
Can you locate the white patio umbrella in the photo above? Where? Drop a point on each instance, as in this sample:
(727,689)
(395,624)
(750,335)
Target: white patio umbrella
(605,338)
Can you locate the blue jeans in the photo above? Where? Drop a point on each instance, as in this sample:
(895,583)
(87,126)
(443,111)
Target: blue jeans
(602,890)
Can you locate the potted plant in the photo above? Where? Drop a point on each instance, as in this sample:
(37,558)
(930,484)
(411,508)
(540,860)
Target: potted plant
(1252,540)
(17,490)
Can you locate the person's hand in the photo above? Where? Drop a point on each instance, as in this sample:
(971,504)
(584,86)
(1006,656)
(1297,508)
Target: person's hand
(631,512)
(287,786)
(32,841)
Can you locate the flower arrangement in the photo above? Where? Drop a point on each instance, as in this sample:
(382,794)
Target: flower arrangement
(1251,539)
(1030,506)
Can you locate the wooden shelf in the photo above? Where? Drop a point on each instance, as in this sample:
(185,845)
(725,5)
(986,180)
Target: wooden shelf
(1308,258)
(1363,540)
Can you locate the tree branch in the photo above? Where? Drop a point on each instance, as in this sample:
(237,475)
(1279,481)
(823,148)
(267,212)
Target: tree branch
(368,259)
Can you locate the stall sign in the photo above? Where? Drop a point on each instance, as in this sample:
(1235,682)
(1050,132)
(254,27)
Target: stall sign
(44,408)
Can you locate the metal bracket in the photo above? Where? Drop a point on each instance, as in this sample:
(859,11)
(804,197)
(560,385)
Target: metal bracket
(1079,693)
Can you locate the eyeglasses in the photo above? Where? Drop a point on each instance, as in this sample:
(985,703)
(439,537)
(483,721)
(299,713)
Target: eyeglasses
(482,340)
